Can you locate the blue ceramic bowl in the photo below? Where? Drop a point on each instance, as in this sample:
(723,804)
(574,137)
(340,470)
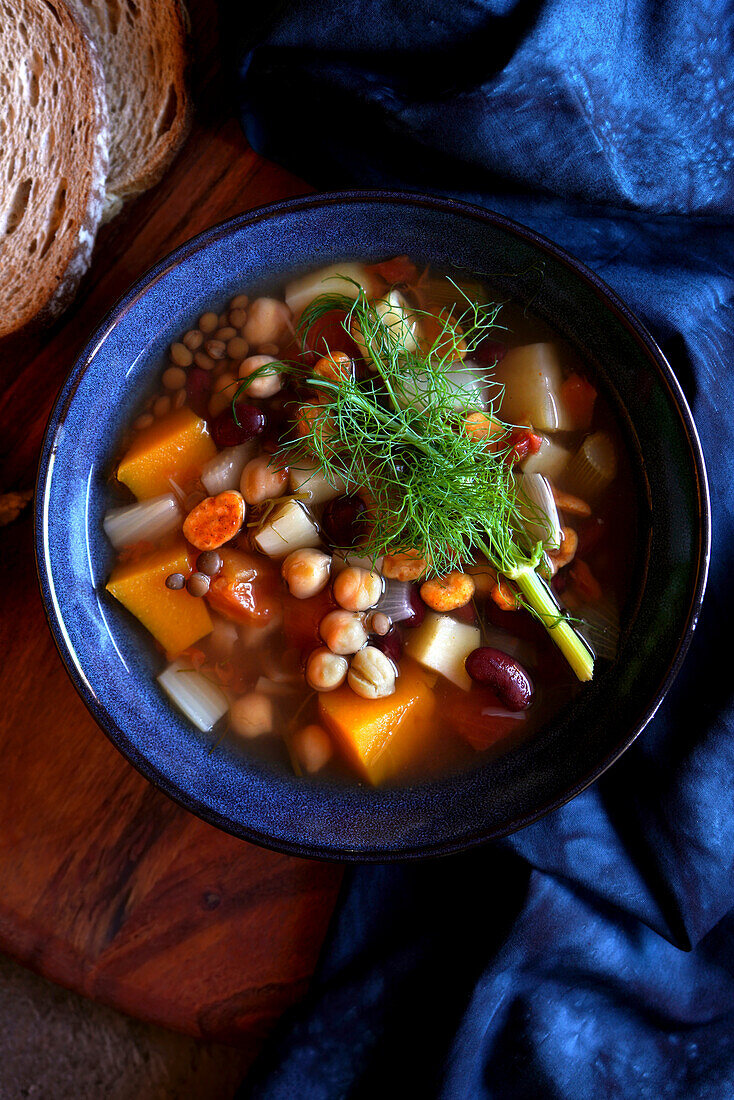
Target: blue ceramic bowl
(112,665)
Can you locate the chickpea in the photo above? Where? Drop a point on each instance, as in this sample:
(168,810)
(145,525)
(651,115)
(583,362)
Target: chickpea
(343,631)
(356,589)
(326,671)
(306,572)
(268,322)
(312,745)
(449,592)
(268,382)
(372,674)
(252,714)
(263,480)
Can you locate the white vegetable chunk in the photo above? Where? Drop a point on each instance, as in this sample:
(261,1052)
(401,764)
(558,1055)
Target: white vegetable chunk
(532,379)
(538,510)
(465,378)
(195,696)
(550,461)
(443,644)
(301,292)
(289,528)
(312,485)
(149,519)
(225,470)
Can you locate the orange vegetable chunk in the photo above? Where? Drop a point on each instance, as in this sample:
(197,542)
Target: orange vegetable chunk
(175,447)
(380,736)
(174,618)
(247,589)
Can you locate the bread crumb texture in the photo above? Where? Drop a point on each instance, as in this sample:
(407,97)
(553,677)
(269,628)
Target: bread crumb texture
(142,49)
(53,157)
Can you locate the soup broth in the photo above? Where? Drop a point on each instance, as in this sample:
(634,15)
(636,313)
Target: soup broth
(376,524)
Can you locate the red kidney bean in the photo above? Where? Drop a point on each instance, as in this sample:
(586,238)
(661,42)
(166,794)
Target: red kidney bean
(343,520)
(505,676)
(417,607)
(488,353)
(198,389)
(226,433)
(390,644)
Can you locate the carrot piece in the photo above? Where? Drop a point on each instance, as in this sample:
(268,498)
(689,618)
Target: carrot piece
(215,520)
(334,367)
(567,502)
(246,590)
(504,596)
(585,582)
(578,397)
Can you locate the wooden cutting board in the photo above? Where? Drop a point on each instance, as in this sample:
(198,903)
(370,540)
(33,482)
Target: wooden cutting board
(105,885)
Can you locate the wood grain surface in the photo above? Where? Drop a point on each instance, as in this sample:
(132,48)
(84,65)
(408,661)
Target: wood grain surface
(105,885)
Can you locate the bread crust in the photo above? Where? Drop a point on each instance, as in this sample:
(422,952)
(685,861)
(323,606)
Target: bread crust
(144,57)
(59,145)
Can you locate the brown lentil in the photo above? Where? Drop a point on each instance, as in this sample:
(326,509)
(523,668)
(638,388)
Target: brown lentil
(175,581)
(198,584)
(238,317)
(181,355)
(193,339)
(217,349)
(208,322)
(223,320)
(237,348)
(174,378)
(380,623)
(143,421)
(161,406)
(179,399)
(225,333)
(240,301)
(209,563)
(202,360)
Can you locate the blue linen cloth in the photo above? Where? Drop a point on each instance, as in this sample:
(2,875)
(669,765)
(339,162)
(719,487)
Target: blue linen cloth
(591,954)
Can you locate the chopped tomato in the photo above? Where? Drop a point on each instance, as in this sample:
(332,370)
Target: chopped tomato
(301,619)
(247,589)
(462,713)
(522,442)
(399,270)
(327,335)
(578,397)
(195,655)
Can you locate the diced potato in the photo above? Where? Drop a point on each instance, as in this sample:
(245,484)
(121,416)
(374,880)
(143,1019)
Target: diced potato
(176,619)
(381,736)
(312,485)
(176,447)
(301,292)
(532,379)
(550,461)
(289,528)
(443,644)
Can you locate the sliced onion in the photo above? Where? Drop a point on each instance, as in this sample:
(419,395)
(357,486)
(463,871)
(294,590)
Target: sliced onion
(396,601)
(148,520)
(225,470)
(539,512)
(201,701)
(467,379)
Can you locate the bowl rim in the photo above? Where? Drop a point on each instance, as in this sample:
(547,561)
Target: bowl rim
(441,203)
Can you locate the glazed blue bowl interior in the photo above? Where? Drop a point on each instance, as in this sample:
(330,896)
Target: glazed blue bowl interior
(114,665)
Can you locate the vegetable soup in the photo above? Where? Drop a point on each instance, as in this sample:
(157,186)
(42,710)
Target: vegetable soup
(376,522)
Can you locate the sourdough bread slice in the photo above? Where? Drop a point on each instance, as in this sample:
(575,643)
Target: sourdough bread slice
(53,158)
(142,45)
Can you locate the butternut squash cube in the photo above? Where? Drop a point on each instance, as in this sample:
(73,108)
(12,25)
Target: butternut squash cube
(381,736)
(175,447)
(174,618)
